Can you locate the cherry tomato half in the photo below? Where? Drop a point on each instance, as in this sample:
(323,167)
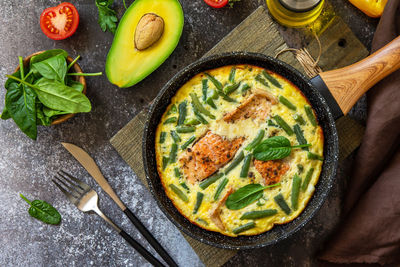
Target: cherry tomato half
(59,22)
(216,3)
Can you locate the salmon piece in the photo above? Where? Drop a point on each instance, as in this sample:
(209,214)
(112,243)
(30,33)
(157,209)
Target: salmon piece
(256,106)
(271,170)
(209,154)
(216,211)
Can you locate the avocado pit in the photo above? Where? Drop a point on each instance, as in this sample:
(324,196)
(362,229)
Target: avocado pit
(148,31)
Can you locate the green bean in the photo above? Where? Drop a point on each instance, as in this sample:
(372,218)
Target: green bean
(259,79)
(188,142)
(286,102)
(185,129)
(244,227)
(179,193)
(225,97)
(282,203)
(172,109)
(258,214)
(235,162)
(199,106)
(202,221)
(177,172)
(172,153)
(256,140)
(200,117)
(170,120)
(199,199)
(299,119)
(299,136)
(295,191)
(163,136)
(232,75)
(182,112)
(214,94)
(165,161)
(311,155)
(246,165)
(310,115)
(220,188)
(300,167)
(271,79)
(175,136)
(245,87)
(307,179)
(192,122)
(231,88)
(184,186)
(210,102)
(271,123)
(283,124)
(216,83)
(209,181)
(204,89)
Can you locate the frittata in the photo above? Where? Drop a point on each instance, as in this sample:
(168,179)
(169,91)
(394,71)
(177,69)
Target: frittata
(239,149)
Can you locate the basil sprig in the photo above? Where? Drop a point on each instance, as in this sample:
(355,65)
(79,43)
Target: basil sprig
(276,147)
(43,211)
(246,195)
(41,91)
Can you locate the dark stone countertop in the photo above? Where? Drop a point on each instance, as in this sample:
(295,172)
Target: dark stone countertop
(27,166)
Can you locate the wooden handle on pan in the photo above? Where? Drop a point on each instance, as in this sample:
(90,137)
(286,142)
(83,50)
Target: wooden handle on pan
(348,84)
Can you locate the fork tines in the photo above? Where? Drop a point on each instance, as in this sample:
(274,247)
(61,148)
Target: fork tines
(70,186)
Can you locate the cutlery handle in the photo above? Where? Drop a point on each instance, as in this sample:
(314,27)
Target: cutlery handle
(139,248)
(150,238)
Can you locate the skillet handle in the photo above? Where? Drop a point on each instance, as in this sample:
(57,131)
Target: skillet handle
(348,84)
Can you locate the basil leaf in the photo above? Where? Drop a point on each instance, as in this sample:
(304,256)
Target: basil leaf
(276,147)
(48,54)
(244,196)
(48,112)
(43,211)
(58,96)
(41,118)
(107,17)
(54,68)
(75,84)
(20,105)
(5,115)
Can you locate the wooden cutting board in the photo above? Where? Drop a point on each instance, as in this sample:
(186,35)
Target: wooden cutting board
(257,33)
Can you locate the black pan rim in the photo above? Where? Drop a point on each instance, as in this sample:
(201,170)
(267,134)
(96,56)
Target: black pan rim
(334,147)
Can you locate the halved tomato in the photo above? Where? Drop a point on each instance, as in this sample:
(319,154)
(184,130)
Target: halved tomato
(59,22)
(216,3)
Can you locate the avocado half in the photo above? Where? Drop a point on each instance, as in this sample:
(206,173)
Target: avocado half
(125,65)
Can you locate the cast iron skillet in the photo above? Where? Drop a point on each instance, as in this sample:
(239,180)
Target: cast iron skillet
(345,85)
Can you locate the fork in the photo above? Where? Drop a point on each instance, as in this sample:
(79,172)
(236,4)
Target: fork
(86,199)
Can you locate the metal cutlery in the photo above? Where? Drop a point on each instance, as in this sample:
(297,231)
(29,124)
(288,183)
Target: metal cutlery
(91,167)
(86,199)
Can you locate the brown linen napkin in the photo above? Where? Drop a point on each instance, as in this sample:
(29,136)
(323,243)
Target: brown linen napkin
(370,232)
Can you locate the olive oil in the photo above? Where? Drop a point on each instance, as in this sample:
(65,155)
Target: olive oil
(295,13)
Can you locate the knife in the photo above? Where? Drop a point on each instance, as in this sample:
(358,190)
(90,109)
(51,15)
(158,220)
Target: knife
(91,167)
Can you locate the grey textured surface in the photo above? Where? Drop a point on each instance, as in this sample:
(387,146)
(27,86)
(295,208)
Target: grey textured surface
(27,166)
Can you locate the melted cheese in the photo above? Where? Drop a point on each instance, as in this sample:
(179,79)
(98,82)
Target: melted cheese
(247,128)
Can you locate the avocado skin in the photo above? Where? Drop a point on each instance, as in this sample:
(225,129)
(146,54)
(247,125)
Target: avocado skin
(127,66)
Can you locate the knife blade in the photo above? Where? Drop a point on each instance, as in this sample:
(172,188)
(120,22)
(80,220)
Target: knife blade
(93,169)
